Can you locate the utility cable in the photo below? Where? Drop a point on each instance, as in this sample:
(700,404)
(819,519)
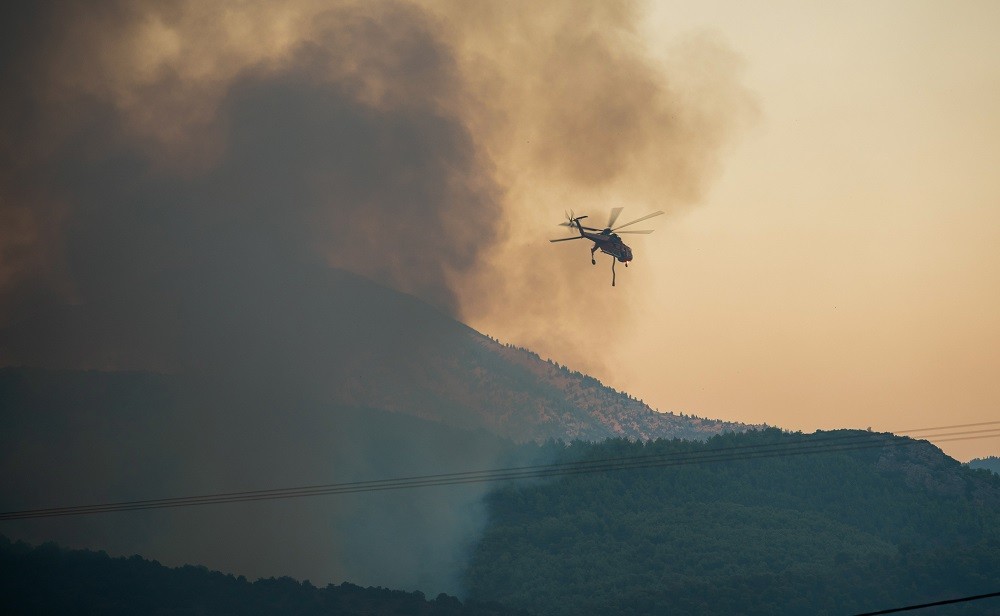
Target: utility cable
(934,604)
(795,446)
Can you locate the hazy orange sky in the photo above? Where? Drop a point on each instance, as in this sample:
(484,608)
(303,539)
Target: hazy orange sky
(842,269)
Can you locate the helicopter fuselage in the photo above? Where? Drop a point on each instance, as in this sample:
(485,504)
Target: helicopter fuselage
(610,244)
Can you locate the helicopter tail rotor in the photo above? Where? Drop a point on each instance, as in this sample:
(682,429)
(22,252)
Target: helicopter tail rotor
(571,220)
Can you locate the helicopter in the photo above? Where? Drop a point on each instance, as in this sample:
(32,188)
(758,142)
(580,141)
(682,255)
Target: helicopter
(605,240)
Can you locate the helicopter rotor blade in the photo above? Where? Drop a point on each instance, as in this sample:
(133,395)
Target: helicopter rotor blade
(566,239)
(647,216)
(615,213)
(643,231)
(574,223)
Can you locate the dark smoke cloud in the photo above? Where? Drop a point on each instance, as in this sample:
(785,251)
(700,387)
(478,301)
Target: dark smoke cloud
(309,170)
(159,221)
(177,177)
(430,147)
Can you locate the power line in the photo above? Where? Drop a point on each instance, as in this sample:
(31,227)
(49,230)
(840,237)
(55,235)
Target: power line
(797,446)
(934,604)
(538,471)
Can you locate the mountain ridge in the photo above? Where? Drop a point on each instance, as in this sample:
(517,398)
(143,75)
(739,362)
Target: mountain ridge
(451,372)
(621,414)
(347,340)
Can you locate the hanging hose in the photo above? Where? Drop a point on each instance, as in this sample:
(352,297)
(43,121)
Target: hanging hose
(613,271)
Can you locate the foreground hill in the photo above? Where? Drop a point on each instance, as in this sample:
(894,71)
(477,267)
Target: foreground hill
(755,523)
(50,580)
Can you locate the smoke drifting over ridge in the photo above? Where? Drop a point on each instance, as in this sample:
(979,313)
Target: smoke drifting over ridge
(340,151)
(431,148)
(174,174)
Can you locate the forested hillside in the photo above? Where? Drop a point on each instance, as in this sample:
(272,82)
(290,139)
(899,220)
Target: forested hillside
(50,580)
(756,523)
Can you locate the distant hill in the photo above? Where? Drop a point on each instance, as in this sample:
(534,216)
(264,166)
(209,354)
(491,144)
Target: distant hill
(48,580)
(990,463)
(883,523)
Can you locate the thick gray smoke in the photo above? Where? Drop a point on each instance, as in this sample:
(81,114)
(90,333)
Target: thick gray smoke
(177,179)
(139,265)
(203,255)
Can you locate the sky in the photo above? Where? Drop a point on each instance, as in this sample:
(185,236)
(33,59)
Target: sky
(842,268)
(828,257)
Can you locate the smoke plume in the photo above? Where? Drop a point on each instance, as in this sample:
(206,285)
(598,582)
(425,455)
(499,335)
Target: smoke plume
(174,174)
